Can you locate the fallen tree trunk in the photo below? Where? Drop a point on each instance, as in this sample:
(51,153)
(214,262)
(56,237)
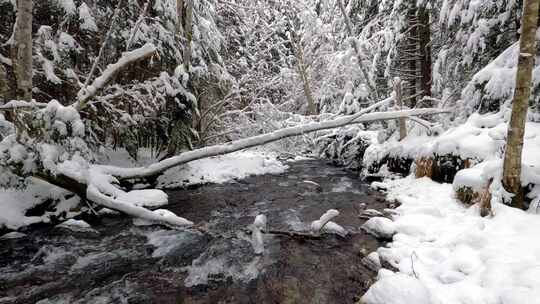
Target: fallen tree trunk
(157,168)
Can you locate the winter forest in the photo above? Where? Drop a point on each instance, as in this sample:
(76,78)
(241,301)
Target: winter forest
(270,151)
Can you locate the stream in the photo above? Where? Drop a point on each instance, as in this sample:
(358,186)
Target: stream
(119,261)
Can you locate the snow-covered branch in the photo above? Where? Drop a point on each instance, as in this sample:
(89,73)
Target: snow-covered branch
(21,104)
(99,83)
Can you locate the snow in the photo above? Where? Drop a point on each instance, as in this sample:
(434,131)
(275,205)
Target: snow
(67,5)
(145,198)
(380,227)
(397,289)
(335,228)
(74,223)
(260,221)
(447,253)
(221,169)
(87,20)
(14,203)
(127,58)
(317,225)
(257,241)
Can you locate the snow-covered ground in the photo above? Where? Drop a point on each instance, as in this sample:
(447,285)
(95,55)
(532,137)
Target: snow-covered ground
(15,202)
(447,254)
(223,168)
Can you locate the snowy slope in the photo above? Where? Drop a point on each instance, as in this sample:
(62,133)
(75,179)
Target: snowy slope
(452,255)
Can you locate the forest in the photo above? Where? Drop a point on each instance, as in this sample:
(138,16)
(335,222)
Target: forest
(270,151)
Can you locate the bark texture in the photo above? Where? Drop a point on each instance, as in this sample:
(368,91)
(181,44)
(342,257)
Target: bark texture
(3,84)
(424,49)
(188,33)
(21,51)
(399,103)
(520,104)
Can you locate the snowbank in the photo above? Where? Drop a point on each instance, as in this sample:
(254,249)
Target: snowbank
(221,169)
(15,203)
(453,254)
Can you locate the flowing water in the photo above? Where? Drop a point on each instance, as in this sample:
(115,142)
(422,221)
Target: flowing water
(119,262)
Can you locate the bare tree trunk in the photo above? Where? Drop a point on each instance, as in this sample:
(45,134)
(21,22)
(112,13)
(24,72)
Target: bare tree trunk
(399,103)
(304,76)
(3,84)
(424,48)
(180,17)
(516,128)
(412,57)
(22,50)
(348,24)
(188,32)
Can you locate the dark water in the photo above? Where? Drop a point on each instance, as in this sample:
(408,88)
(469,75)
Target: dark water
(119,262)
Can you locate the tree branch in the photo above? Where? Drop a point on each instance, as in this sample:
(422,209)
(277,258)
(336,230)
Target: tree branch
(99,83)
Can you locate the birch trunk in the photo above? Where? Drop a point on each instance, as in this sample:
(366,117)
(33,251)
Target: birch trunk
(520,104)
(22,50)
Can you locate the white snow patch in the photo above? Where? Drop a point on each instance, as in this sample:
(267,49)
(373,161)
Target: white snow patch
(74,223)
(145,198)
(221,169)
(447,253)
(87,20)
(380,227)
(397,289)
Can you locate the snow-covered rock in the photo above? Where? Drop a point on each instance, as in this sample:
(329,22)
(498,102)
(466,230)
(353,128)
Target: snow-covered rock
(72,223)
(397,289)
(317,225)
(372,261)
(380,227)
(334,228)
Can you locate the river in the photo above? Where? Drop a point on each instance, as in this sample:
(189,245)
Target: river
(119,262)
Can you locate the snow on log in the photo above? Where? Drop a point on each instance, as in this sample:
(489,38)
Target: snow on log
(160,216)
(156,168)
(112,69)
